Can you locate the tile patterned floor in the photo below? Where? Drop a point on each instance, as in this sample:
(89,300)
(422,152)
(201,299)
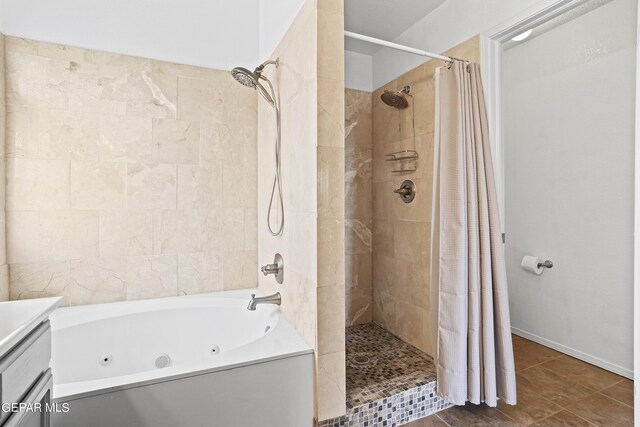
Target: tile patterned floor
(389,382)
(553,390)
(381,365)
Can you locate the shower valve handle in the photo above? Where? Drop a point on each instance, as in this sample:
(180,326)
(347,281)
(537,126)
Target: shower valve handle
(403,191)
(276,268)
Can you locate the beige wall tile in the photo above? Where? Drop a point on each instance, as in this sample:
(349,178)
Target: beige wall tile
(176,141)
(330,252)
(221,143)
(67,135)
(4,282)
(4,269)
(34,184)
(201,100)
(15,44)
(97,91)
(199,272)
(152,94)
(200,187)
(331,182)
(237,182)
(187,231)
(37,81)
(37,280)
(98,185)
(234,229)
(331,42)
(151,186)
(331,319)
(240,270)
(126,232)
(331,385)
(116,172)
(358,208)
(330,113)
(250,230)
(152,276)
(125,139)
(98,280)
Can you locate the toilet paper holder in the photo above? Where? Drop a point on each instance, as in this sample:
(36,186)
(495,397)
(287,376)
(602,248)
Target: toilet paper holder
(546,264)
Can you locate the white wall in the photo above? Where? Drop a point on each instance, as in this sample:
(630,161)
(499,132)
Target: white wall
(2,16)
(216,34)
(569,146)
(275,18)
(450,24)
(358,71)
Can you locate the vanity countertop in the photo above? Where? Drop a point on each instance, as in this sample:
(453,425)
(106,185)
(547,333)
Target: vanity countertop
(18,318)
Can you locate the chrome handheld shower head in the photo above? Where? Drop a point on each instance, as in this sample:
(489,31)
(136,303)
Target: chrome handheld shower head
(245,77)
(252,79)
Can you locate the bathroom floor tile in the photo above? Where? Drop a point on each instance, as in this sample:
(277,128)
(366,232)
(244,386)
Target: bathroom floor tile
(622,392)
(528,353)
(476,416)
(381,365)
(548,384)
(430,421)
(603,411)
(554,390)
(563,419)
(582,373)
(531,406)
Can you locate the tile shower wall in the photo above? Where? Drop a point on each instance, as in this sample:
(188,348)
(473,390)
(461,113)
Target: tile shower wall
(358,207)
(401,232)
(310,83)
(128,178)
(4,269)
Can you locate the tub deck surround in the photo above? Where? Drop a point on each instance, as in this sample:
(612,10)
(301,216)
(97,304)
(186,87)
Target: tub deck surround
(19,318)
(389,382)
(116,346)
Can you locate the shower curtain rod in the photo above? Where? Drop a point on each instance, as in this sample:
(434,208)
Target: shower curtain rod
(397,46)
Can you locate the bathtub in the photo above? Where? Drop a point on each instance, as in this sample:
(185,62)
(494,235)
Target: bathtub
(201,360)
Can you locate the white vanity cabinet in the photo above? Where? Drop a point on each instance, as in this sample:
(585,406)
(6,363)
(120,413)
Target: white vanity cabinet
(25,355)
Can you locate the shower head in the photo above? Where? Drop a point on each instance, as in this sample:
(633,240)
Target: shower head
(252,79)
(396,99)
(245,77)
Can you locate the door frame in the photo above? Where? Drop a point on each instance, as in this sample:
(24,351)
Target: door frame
(491,62)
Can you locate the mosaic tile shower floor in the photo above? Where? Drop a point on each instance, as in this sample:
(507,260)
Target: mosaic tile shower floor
(381,365)
(389,382)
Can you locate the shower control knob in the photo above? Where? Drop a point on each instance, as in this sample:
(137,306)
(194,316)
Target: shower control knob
(407,191)
(277,268)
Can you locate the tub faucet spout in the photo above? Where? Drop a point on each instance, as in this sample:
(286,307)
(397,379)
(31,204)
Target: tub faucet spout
(271,299)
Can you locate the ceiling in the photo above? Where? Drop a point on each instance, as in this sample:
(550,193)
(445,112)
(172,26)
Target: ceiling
(384,19)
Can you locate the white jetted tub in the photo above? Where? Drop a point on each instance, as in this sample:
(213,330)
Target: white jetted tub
(201,360)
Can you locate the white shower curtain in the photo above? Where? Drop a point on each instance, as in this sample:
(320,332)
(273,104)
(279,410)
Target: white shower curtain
(474,354)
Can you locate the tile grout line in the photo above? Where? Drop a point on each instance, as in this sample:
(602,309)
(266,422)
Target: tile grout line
(577,415)
(613,398)
(440,418)
(541,363)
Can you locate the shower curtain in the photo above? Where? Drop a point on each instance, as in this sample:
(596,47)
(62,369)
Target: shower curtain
(474,354)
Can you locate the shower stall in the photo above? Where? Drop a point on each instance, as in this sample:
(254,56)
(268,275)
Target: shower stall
(389,152)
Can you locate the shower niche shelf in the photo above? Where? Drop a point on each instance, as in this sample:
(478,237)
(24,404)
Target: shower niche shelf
(406,160)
